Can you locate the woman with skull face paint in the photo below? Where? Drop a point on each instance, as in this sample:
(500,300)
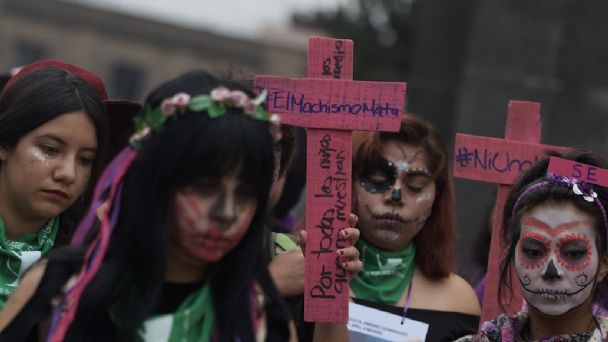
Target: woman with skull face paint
(177,254)
(403,196)
(555,230)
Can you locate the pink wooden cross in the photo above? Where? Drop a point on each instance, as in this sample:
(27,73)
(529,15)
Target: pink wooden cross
(331,106)
(501,161)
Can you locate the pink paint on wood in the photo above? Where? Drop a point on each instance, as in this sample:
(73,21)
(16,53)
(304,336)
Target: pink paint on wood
(523,124)
(588,173)
(501,161)
(495,160)
(328,205)
(331,107)
(335,104)
(331,59)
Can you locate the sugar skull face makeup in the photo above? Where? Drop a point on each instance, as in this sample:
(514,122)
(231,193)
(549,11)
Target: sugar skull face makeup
(394,200)
(212,216)
(557,258)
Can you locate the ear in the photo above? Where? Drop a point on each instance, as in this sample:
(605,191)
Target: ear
(603,269)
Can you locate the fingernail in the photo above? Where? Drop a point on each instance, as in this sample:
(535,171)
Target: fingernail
(345,233)
(341,252)
(344,265)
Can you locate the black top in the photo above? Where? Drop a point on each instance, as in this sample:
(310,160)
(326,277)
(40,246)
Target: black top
(24,327)
(443,325)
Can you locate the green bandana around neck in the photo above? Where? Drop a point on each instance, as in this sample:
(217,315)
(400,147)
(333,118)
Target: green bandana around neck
(385,275)
(16,256)
(194,320)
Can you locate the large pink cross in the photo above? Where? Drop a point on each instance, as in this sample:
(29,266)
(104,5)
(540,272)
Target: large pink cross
(331,106)
(501,161)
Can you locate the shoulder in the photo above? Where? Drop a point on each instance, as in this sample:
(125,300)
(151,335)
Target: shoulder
(449,294)
(23,293)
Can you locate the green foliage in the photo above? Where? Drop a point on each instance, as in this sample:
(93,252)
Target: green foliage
(381,29)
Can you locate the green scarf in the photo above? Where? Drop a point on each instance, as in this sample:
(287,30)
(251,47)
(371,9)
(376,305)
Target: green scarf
(16,256)
(194,320)
(385,275)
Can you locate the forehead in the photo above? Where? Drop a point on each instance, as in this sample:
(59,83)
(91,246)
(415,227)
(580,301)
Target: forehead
(396,151)
(74,127)
(556,219)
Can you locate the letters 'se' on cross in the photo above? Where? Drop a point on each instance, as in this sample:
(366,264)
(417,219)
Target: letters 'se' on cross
(502,161)
(331,105)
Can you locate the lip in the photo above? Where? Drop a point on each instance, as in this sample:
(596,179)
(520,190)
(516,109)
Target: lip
(390,217)
(390,221)
(211,242)
(58,194)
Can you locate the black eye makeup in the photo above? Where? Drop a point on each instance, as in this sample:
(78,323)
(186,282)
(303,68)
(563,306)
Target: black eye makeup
(381,179)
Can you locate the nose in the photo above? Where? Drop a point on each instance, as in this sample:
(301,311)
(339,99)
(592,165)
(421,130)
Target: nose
(65,172)
(396,195)
(551,272)
(223,211)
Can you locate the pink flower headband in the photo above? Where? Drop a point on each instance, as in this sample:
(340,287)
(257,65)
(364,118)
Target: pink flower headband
(215,104)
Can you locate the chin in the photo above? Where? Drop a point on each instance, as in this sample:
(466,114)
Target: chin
(49,211)
(208,257)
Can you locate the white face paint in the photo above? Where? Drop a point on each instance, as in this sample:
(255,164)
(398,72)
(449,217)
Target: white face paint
(556,258)
(402,166)
(424,198)
(394,201)
(387,235)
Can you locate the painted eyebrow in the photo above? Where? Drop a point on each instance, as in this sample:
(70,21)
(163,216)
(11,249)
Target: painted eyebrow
(62,142)
(539,224)
(418,173)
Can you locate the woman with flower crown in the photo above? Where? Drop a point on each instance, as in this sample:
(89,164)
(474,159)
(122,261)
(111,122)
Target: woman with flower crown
(176,252)
(555,229)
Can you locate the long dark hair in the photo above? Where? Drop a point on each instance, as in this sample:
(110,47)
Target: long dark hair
(131,276)
(557,194)
(41,96)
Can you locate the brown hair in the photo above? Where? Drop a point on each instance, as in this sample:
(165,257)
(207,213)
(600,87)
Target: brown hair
(434,243)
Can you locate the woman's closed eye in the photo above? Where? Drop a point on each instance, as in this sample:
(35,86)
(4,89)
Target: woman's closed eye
(533,249)
(86,160)
(49,150)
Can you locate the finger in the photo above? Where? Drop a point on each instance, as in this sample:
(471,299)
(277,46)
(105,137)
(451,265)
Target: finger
(353,219)
(353,267)
(349,253)
(303,236)
(351,234)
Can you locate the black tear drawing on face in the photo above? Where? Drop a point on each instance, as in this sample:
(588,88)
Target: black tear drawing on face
(387,171)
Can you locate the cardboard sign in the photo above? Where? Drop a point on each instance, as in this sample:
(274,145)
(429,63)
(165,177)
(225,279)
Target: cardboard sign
(495,160)
(372,325)
(335,104)
(330,58)
(569,168)
(328,191)
(331,105)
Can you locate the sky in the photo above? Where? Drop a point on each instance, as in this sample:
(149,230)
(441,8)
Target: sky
(241,18)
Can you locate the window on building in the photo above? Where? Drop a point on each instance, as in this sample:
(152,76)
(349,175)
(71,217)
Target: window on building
(126,81)
(27,52)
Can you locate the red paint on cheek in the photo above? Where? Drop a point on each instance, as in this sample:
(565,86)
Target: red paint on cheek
(189,212)
(202,240)
(577,264)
